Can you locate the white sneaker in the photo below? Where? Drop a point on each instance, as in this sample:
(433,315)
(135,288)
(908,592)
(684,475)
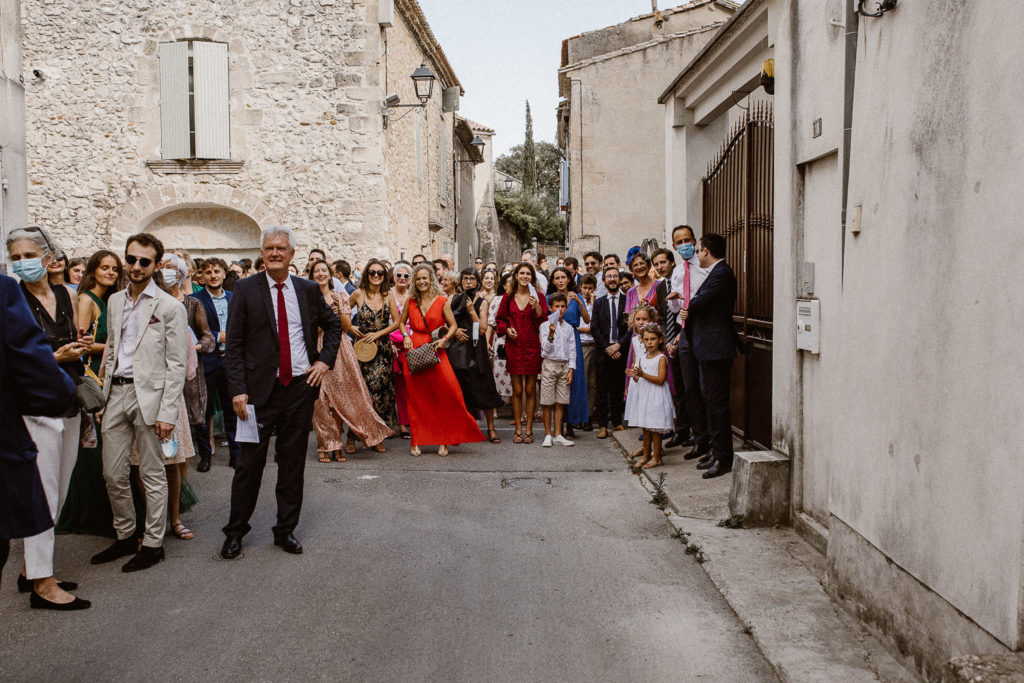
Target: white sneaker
(547,441)
(562,441)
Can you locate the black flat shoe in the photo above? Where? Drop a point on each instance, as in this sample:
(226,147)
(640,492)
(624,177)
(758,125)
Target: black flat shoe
(203,466)
(25,585)
(289,544)
(144,559)
(120,548)
(232,548)
(704,464)
(717,470)
(676,440)
(36,601)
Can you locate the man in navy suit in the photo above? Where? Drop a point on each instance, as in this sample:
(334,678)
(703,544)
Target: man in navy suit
(712,335)
(216,302)
(31,383)
(273,365)
(610,329)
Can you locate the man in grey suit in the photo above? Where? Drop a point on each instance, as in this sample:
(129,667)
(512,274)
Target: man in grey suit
(144,367)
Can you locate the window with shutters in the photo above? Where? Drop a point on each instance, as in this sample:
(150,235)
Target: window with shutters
(194,112)
(443,165)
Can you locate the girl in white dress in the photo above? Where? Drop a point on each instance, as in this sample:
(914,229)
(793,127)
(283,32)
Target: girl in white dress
(649,402)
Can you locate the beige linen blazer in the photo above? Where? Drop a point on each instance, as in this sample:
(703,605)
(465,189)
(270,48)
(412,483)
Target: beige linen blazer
(158,365)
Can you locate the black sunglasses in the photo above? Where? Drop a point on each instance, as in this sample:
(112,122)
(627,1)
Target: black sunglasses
(375,273)
(143,261)
(401,276)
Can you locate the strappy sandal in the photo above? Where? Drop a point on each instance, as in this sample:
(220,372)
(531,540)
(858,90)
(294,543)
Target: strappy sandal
(405,435)
(338,457)
(380,448)
(323,456)
(442,451)
(643,462)
(528,438)
(493,436)
(182,532)
(652,462)
(350,447)
(637,453)
(415,450)
(517,438)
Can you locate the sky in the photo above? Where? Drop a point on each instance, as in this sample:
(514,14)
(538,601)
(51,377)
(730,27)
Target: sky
(506,52)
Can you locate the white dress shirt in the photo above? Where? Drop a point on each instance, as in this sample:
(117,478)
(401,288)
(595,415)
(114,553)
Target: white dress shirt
(587,337)
(697,277)
(300,358)
(613,313)
(131,327)
(564,345)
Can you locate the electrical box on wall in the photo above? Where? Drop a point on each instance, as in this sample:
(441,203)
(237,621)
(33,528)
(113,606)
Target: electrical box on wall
(386,13)
(808,325)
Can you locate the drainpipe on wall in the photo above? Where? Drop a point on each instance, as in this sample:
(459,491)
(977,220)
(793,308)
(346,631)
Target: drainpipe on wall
(849,80)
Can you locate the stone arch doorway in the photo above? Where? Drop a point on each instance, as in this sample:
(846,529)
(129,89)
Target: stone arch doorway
(208,230)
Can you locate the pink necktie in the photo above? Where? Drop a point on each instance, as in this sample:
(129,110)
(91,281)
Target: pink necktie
(686,288)
(284,343)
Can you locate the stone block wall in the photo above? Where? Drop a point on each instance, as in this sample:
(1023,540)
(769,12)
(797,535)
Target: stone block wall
(305,112)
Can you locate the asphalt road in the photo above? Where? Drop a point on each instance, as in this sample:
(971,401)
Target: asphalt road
(415,569)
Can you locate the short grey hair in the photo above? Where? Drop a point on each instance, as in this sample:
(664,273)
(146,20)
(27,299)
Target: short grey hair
(40,237)
(179,265)
(277,230)
(532,253)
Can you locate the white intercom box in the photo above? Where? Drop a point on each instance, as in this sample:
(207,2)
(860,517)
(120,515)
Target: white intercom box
(808,325)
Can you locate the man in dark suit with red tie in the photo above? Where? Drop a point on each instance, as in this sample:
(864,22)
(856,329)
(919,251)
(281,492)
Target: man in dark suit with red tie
(272,364)
(712,336)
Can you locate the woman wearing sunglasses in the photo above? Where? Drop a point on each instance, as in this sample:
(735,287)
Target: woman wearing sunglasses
(401,274)
(376,313)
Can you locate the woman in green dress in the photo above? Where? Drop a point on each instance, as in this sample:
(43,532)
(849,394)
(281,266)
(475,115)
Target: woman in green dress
(87,507)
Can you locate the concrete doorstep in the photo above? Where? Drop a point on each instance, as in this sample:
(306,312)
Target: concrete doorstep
(772,578)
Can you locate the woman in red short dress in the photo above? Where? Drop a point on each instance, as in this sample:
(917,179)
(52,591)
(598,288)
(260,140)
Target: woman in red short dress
(519,318)
(437,412)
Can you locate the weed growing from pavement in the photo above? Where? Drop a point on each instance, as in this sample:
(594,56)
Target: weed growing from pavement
(659,497)
(691,548)
(733,522)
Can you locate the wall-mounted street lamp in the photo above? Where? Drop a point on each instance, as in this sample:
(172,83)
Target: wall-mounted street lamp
(423,80)
(478,145)
(881,7)
(509,182)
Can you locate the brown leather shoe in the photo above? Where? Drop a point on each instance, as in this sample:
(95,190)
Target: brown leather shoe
(602,433)
(619,428)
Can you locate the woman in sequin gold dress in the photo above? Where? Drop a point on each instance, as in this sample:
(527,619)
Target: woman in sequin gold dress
(344,397)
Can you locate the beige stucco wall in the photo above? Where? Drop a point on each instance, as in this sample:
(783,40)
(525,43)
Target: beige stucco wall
(12,124)
(615,139)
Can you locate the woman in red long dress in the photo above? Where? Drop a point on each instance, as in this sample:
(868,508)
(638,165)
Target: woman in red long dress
(519,318)
(437,412)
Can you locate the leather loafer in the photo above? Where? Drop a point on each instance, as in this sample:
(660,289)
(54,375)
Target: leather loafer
(696,452)
(705,463)
(26,585)
(36,601)
(602,433)
(144,559)
(717,470)
(676,440)
(204,466)
(289,544)
(619,428)
(232,548)
(120,548)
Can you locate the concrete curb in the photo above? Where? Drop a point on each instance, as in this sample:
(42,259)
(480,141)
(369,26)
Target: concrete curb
(774,582)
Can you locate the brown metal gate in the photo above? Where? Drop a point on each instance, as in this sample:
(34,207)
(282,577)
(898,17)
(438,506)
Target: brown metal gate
(738,204)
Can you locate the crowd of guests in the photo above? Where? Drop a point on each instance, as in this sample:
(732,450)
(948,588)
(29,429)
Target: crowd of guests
(178,348)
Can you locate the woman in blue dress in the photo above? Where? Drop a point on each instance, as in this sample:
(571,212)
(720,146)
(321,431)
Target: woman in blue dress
(578,413)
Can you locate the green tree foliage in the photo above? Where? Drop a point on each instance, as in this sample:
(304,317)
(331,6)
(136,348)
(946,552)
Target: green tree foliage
(529,172)
(549,160)
(533,216)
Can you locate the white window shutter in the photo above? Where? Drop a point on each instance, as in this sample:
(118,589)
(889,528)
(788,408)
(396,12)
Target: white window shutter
(175,140)
(419,146)
(210,84)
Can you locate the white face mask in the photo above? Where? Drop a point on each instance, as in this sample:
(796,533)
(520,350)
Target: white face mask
(170,276)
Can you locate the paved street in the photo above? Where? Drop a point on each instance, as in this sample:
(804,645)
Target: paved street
(415,569)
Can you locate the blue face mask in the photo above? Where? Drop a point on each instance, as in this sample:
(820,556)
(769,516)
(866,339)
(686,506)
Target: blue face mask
(686,250)
(29,269)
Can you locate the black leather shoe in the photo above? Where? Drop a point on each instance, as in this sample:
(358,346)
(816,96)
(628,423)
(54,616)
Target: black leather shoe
(717,470)
(25,585)
(676,440)
(232,548)
(36,601)
(588,426)
(144,559)
(705,463)
(120,548)
(698,451)
(289,544)
(204,466)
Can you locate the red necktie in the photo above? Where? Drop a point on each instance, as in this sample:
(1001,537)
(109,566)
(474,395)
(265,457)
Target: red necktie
(686,288)
(284,342)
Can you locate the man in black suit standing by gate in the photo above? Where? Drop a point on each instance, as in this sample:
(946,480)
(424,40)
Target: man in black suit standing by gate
(713,340)
(272,363)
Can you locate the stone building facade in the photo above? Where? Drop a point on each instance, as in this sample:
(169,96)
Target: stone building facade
(280,122)
(610,122)
(13,193)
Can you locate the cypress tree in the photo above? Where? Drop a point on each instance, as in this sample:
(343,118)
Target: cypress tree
(529,157)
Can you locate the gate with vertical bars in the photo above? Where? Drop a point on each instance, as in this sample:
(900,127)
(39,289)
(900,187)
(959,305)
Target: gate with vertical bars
(738,204)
